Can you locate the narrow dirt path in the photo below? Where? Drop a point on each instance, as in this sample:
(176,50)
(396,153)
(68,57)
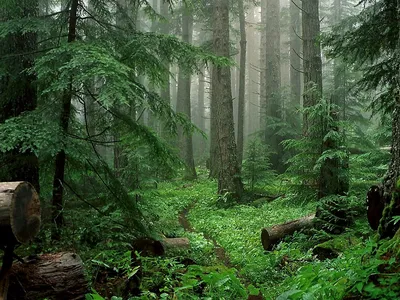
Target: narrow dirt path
(220,252)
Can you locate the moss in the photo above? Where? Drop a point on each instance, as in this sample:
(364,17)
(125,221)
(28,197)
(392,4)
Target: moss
(333,248)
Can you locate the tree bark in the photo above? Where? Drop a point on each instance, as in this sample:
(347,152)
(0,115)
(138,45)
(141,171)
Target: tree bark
(272,235)
(19,212)
(166,90)
(295,51)
(242,83)
(57,276)
(60,161)
(17,89)
(262,64)
(183,101)
(229,173)
(213,163)
(391,184)
(312,63)
(273,83)
(252,98)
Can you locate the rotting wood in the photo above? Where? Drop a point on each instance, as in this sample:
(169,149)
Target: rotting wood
(58,276)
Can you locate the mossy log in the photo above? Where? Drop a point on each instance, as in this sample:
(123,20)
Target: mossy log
(19,212)
(272,235)
(333,248)
(58,276)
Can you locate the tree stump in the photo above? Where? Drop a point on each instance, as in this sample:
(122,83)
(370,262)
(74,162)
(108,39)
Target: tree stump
(376,205)
(19,212)
(58,276)
(272,235)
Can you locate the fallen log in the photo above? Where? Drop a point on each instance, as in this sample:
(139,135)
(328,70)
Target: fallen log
(148,247)
(19,223)
(19,212)
(272,235)
(58,276)
(175,243)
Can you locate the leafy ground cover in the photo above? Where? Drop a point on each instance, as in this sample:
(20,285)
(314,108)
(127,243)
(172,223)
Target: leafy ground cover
(290,271)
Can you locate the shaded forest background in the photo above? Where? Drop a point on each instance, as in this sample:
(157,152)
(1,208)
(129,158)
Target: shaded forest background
(128,116)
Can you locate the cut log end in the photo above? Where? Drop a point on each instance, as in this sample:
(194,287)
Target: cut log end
(20,210)
(265,239)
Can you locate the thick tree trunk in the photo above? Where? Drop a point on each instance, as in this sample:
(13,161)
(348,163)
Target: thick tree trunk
(183,102)
(334,177)
(214,163)
(229,173)
(242,83)
(17,91)
(391,181)
(391,188)
(312,63)
(58,187)
(19,212)
(57,276)
(295,51)
(252,98)
(166,90)
(273,83)
(272,235)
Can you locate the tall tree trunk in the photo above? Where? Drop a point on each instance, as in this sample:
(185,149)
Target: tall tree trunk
(174,87)
(229,173)
(151,119)
(391,188)
(312,62)
(58,182)
(273,82)
(295,51)
(339,70)
(242,82)
(199,143)
(334,170)
(17,90)
(262,64)
(200,100)
(253,99)
(183,101)
(166,90)
(214,162)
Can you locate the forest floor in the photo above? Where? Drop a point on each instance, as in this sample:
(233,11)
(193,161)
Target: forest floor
(225,246)
(230,235)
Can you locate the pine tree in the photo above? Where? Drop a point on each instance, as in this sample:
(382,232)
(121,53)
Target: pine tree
(379,62)
(242,82)
(17,90)
(229,180)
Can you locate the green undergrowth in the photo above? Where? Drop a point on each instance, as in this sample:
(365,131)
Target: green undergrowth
(289,271)
(237,229)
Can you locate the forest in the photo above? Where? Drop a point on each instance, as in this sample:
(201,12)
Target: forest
(199,149)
